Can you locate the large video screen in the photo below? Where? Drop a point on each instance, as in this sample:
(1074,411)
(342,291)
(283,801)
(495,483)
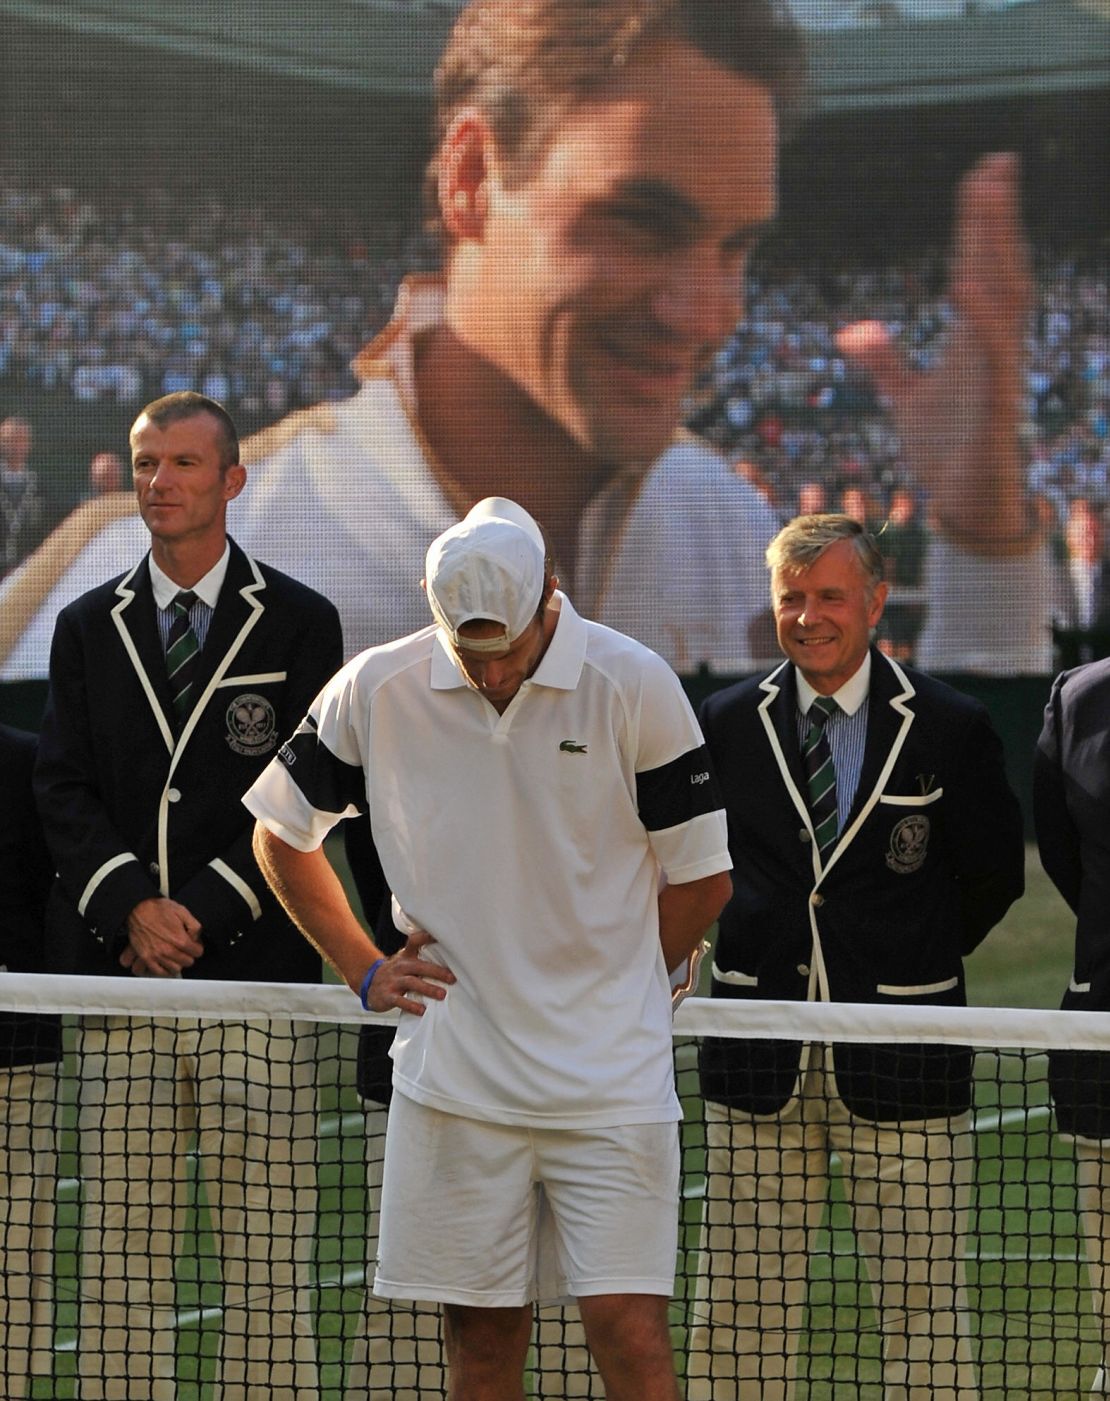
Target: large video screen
(258,232)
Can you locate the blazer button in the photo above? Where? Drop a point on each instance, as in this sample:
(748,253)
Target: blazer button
(155,869)
(803,969)
(817,899)
(174,795)
(803,834)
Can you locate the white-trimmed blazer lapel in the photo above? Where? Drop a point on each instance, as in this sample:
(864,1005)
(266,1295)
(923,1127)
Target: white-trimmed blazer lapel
(773,686)
(123,617)
(903,718)
(250,594)
(246,599)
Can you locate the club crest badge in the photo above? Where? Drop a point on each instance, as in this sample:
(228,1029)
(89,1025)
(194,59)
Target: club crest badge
(909,844)
(251,725)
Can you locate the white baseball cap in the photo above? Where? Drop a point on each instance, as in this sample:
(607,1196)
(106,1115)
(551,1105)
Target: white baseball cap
(489,566)
(501,508)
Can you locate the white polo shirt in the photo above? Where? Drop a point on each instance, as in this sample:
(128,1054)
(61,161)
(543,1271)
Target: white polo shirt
(531,845)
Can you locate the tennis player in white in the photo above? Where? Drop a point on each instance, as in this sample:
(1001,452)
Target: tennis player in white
(545,815)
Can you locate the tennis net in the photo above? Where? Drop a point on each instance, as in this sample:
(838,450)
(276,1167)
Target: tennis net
(190,1175)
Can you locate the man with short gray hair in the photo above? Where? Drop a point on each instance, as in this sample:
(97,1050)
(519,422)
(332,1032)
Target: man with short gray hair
(875,842)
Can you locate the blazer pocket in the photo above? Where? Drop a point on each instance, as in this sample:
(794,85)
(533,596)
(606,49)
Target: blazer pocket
(911,800)
(917,989)
(262,678)
(249,706)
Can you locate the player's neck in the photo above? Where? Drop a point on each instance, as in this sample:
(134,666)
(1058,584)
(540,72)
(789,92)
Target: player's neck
(186,562)
(493,440)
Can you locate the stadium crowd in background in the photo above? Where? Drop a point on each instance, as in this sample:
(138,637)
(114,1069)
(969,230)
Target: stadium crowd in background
(22,516)
(106,474)
(782,396)
(117,298)
(123,297)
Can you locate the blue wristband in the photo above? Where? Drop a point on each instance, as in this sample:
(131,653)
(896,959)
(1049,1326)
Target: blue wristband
(364,990)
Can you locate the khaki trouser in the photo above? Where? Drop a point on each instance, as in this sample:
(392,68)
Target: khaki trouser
(248,1093)
(28,1163)
(398,1354)
(1092,1176)
(767,1187)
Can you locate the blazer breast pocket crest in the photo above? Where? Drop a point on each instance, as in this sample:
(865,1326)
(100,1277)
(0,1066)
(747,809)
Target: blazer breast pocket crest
(909,844)
(251,725)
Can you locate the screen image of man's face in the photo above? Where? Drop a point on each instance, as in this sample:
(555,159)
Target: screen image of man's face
(611,273)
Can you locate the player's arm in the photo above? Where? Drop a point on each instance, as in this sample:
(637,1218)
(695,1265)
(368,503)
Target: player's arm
(679,805)
(686,912)
(313,897)
(314,781)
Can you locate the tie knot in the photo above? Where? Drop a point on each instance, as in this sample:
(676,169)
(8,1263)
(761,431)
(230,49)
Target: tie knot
(184,600)
(822,708)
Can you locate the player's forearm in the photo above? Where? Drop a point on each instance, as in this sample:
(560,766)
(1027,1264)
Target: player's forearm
(687,911)
(313,897)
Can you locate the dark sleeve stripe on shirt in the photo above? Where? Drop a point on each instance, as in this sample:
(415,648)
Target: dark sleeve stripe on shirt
(328,784)
(677,792)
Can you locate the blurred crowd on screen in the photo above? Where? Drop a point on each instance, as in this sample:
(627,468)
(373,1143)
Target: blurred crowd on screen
(124,298)
(118,298)
(783,399)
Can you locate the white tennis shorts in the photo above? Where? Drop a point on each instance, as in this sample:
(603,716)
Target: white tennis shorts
(497,1215)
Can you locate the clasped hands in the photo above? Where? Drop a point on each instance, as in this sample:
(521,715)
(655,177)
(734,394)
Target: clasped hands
(163,939)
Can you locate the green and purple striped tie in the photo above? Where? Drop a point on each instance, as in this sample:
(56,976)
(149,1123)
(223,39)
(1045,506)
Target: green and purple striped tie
(182,650)
(820,775)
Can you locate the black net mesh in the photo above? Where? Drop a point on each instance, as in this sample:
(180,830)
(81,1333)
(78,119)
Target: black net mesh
(189,1203)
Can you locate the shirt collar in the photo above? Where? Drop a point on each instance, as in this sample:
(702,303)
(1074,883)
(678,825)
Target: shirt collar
(420,306)
(850,696)
(206,589)
(560,666)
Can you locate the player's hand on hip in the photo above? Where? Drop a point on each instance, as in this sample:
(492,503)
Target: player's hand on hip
(163,939)
(405,978)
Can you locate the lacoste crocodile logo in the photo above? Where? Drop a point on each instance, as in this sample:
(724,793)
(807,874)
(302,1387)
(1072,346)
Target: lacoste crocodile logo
(570,746)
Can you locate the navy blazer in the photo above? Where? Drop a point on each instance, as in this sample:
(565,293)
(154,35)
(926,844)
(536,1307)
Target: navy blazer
(1071,810)
(929,860)
(25,877)
(130,811)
